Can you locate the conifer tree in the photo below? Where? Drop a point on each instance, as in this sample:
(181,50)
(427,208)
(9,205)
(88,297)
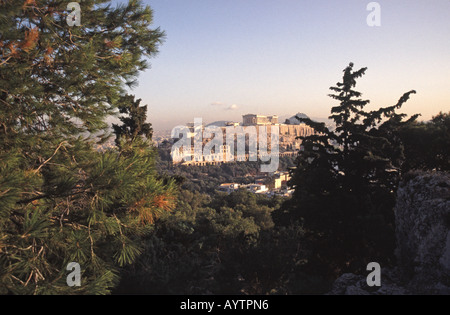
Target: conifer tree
(427,144)
(61,200)
(345,181)
(135,124)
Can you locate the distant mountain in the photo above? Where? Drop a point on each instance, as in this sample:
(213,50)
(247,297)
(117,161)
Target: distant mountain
(293,120)
(220,123)
(285,119)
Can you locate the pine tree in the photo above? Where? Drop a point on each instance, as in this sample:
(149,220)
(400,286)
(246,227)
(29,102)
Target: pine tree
(345,182)
(61,200)
(427,144)
(135,125)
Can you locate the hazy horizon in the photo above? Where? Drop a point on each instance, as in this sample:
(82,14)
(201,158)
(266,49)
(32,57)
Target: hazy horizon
(224,59)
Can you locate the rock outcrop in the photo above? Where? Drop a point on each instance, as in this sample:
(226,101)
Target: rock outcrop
(422,217)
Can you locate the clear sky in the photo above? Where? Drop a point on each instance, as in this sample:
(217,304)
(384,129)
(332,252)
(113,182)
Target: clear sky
(226,58)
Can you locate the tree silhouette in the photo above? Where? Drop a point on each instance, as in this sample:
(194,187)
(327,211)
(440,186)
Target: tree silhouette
(345,182)
(134,124)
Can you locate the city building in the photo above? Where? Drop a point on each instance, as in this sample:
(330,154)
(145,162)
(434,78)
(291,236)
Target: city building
(281,179)
(228,188)
(188,157)
(255,120)
(289,140)
(257,188)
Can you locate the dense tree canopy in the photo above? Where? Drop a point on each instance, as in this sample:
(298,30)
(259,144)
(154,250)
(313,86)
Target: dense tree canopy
(346,179)
(61,200)
(427,144)
(221,244)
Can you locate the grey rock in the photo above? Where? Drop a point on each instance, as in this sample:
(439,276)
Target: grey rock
(422,217)
(351,284)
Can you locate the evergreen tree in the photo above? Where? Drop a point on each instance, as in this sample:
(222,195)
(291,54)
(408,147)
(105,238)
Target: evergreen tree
(61,200)
(427,144)
(345,182)
(212,245)
(135,124)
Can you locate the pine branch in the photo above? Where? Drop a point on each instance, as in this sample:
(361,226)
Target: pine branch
(48,160)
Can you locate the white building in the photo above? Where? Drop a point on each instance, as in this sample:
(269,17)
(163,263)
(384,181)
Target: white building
(228,188)
(257,188)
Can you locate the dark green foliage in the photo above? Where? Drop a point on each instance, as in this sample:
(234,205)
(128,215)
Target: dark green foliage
(86,207)
(346,181)
(70,72)
(134,125)
(187,247)
(220,245)
(427,144)
(207,179)
(61,200)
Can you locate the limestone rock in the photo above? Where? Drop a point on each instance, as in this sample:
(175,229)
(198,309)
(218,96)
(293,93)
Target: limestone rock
(351,284)
(423,231)
(422,217)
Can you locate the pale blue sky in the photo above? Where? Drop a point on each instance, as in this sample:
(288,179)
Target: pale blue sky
(281,56)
